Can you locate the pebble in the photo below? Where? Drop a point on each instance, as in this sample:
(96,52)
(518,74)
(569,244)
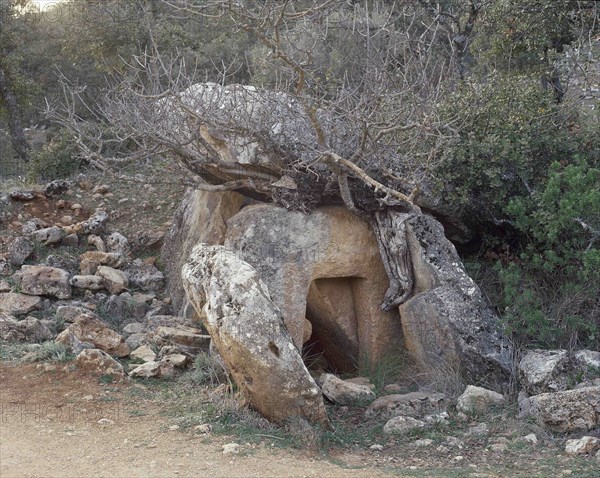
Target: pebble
(174,428)
(423,442)
(231,448)
(531,438)
(376,447)
(106,421)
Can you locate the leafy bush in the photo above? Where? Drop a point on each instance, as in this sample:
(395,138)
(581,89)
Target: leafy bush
(56,159)
(510,131)
(551,293)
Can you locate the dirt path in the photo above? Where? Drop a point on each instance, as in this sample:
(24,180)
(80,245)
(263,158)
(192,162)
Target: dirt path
(49,428)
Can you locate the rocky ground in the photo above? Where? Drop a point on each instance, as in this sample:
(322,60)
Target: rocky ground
(100,377)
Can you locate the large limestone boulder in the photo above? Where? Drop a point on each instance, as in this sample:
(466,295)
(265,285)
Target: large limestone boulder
(202,217)
(44,280)
(248,331)
(542,371)
(87,328)
(565,412)
(324,267)
(447,324)
(14,303)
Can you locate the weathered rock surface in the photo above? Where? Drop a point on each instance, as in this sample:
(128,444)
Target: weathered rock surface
(324,267)
(29,329)
(144,276)
(588,358)
(344,392)
(19,250)
(14,303)
(95,224)
(87,328)
(45,280)
(566,411)
(146,370)
(542,371)
(91,260)
(414,404)
(68,313)
(186,338)
(136,340)
(56,188)
(201,217)
(401,425)
(114,280)
(248,331)
(117,243)
(99,362)
(447,323)
(87,282)
(49,235)
(478,400)
(582,446)
(144,353)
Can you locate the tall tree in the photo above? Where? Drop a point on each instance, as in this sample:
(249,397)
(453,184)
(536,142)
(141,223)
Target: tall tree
(9,13)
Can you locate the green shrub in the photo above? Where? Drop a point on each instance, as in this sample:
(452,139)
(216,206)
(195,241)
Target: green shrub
(551,294)
(56,159)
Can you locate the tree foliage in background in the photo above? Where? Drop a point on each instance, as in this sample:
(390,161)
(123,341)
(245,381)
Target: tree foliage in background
(474,100)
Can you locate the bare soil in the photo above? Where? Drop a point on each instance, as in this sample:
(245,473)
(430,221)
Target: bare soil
(49,428)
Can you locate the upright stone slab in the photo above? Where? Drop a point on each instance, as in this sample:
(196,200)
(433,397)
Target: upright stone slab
(248,331)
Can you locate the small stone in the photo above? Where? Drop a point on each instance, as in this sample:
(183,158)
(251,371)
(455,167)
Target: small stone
(498,447)
(144,353)
(423,442)
(376,447)
(76,206)
(106,421)
(531,438)
(455,442)
(479,430)
(231,448)
(204,428)
(71,240)
(174,428)
(442,449)
(67,220)
(458,458)
(478,400)
(582,446)
(401,425)
(392,388)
